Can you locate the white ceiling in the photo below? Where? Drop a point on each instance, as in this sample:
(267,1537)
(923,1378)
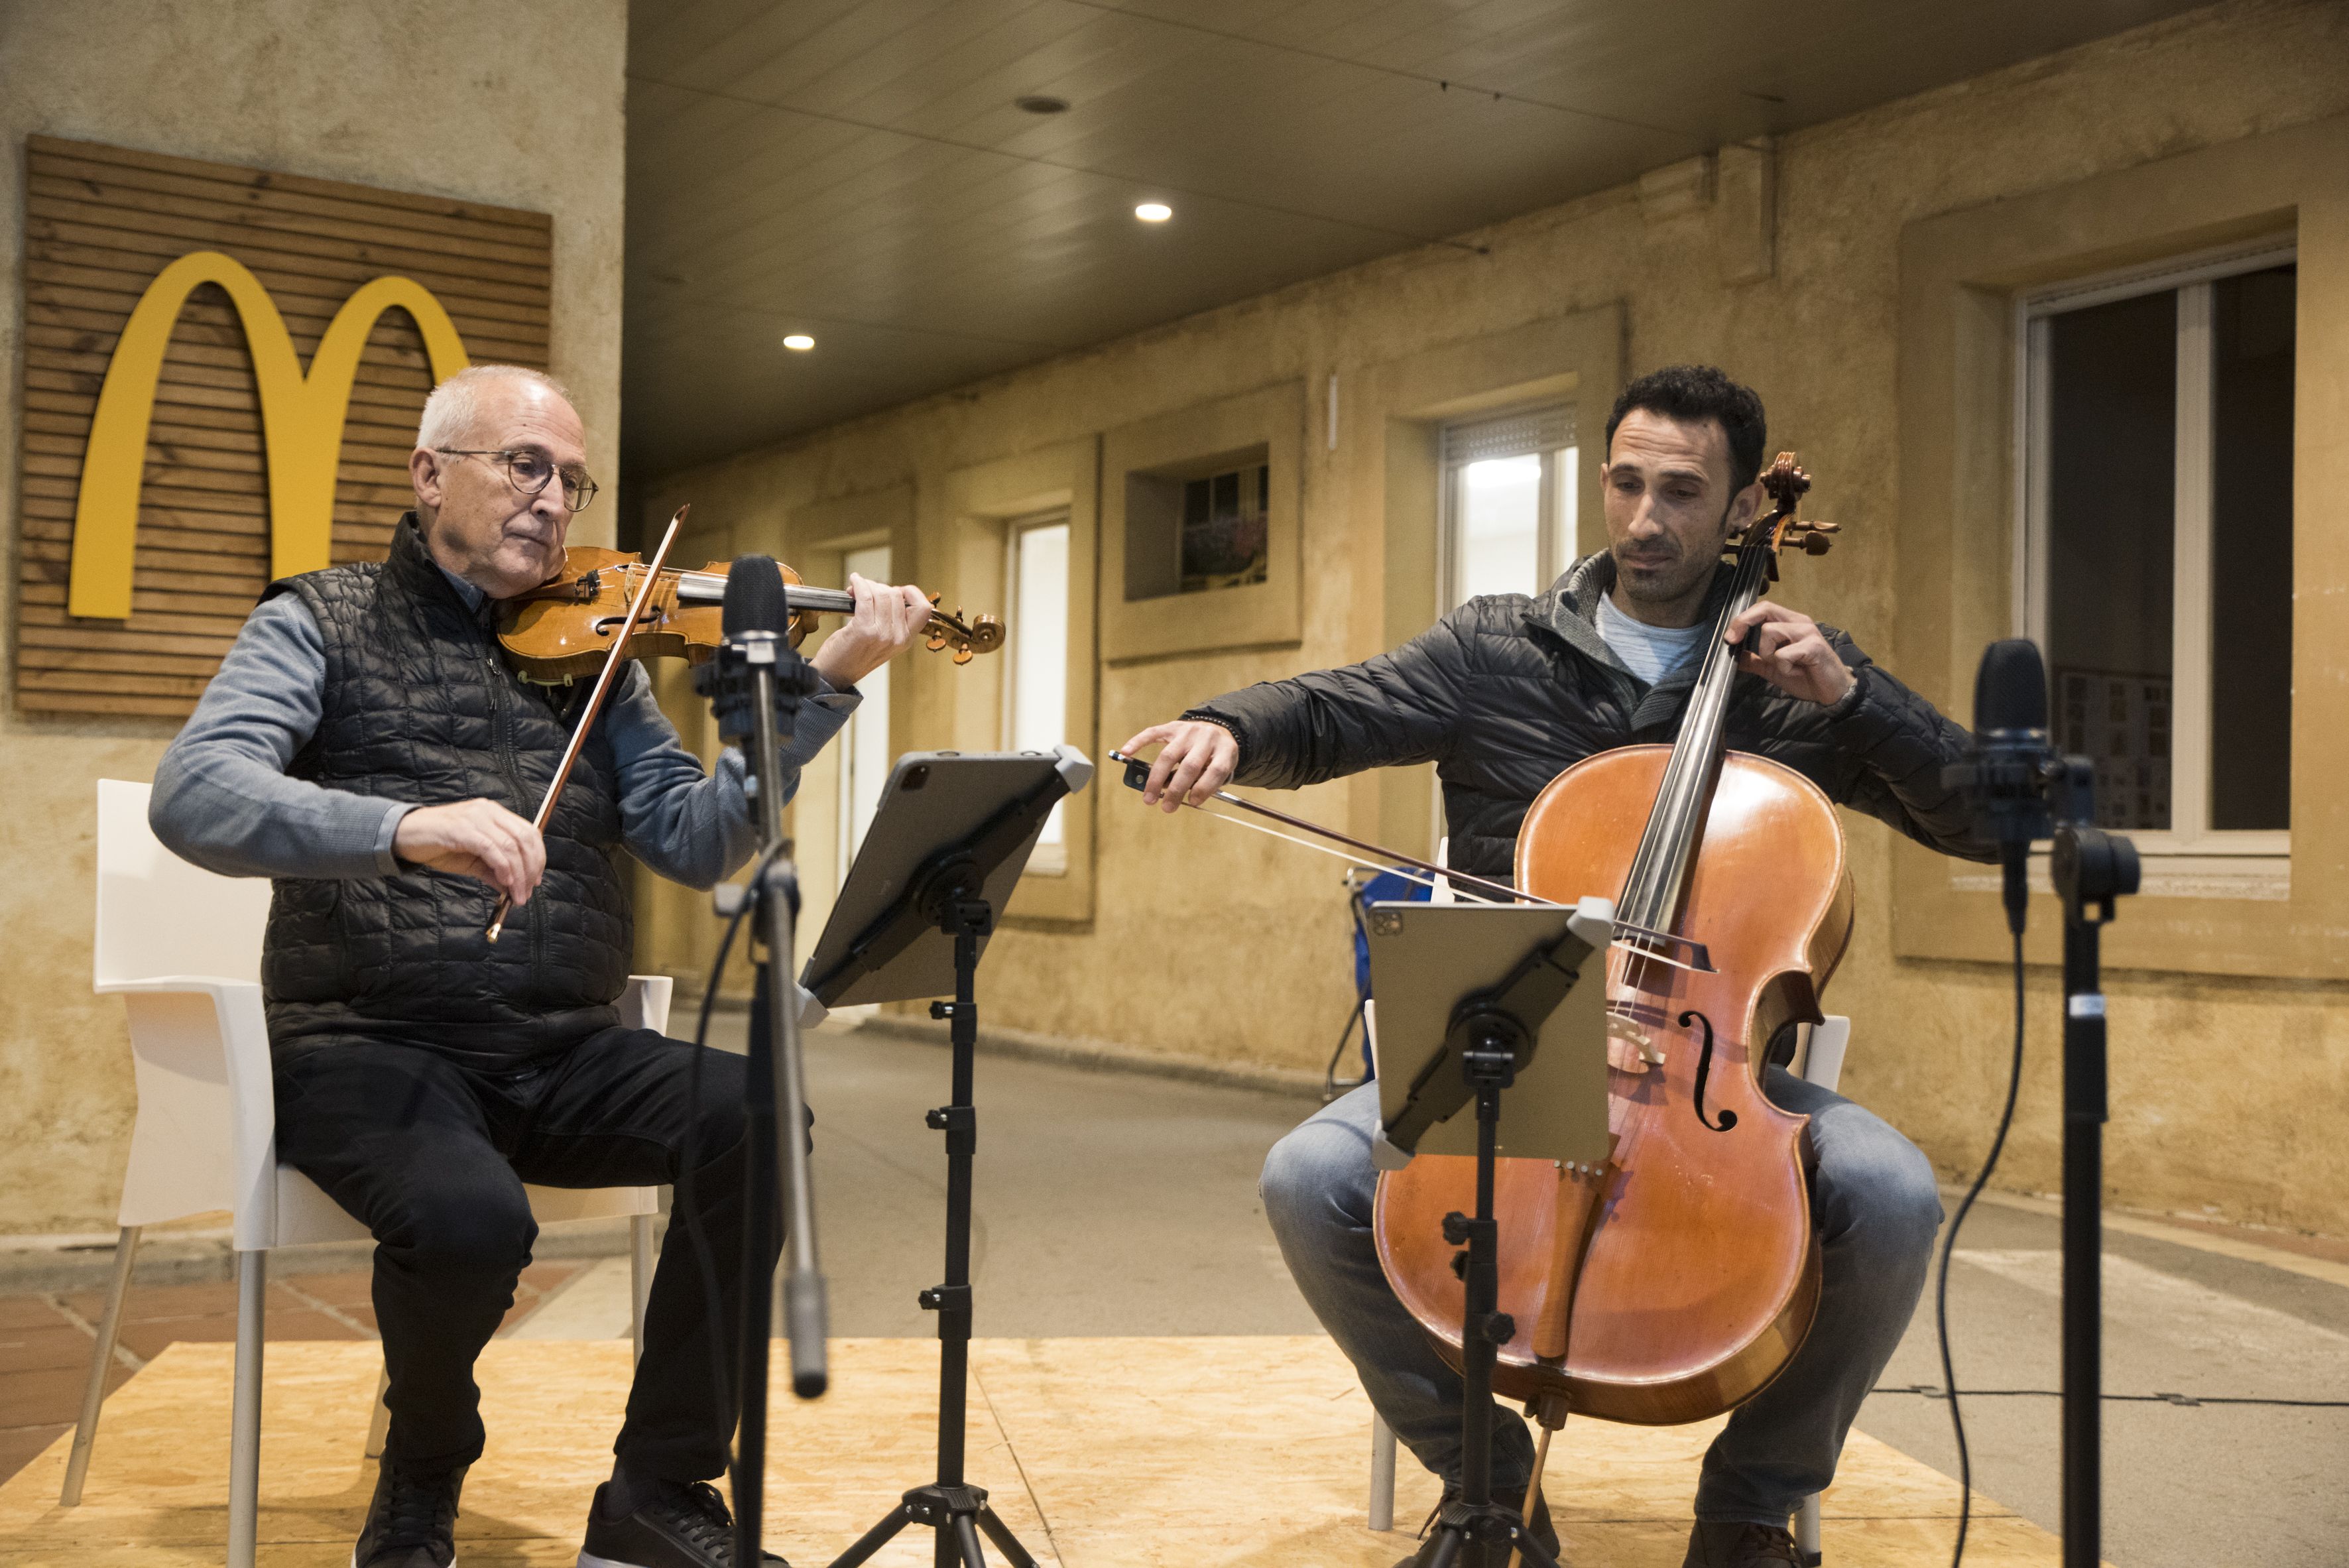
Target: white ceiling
(857,169)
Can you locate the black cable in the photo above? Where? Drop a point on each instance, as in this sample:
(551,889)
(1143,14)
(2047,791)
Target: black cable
(1950,1246)
(684,1184)
(1927,1391)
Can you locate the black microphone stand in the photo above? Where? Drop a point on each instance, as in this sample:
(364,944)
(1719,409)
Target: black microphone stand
(2028,792)
(760,671)
(2091,870)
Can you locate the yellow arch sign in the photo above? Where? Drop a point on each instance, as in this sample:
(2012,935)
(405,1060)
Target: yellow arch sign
(301,418)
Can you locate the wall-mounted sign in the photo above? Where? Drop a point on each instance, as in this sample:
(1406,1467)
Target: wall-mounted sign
(177,453)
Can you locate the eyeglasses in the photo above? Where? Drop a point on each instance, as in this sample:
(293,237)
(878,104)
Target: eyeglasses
(530,470)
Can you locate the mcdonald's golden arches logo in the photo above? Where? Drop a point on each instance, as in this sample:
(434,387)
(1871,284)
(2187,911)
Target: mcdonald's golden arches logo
(301,416)
(222,372)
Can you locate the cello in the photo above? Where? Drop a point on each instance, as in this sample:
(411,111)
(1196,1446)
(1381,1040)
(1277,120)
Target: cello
(1670,1282)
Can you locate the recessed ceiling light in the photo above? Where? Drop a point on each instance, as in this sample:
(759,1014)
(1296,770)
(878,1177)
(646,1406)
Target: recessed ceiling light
(800,341)
(1154,212)
(1041,103)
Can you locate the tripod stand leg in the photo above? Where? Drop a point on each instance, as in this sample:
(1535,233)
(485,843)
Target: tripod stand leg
(875,1539)
(1441,1551)
(1533,1555)
(965,1534)
(1005,1541)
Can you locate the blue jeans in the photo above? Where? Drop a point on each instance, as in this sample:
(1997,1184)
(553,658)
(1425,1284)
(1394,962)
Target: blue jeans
(1873,1202)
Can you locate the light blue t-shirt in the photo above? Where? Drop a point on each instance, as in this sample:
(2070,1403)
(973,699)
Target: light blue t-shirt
(1651,653)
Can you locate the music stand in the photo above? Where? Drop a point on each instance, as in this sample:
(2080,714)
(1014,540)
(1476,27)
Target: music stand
(1466,995)
(938,865)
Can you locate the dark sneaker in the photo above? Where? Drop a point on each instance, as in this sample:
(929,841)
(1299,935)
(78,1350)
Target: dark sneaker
(684,1527)
(412,1522)
(1739,1546)
(1543,1531)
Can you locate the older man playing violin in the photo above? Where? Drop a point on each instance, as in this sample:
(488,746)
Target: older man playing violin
(365,745)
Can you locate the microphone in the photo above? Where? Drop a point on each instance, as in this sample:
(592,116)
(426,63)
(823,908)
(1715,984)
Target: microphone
(754,597)
(2013,764)
(755,611)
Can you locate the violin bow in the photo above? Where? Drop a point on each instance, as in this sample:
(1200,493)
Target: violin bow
(612,662)
(1137,773)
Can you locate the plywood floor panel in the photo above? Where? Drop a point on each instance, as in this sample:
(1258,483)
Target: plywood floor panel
(1209,1453)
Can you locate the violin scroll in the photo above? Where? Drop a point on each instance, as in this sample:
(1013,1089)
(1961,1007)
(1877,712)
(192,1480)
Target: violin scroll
(980,634)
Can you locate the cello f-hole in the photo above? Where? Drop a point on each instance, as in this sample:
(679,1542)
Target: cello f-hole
(1704,1070)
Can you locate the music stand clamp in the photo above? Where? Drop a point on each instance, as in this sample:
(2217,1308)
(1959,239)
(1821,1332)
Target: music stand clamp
(972,820)
(1491,1033)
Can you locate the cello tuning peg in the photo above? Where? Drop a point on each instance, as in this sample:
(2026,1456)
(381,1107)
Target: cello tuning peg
(1816,544)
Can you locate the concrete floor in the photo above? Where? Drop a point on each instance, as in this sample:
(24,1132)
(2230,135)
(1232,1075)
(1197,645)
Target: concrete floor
(1113,1204)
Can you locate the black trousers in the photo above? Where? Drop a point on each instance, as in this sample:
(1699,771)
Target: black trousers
(430,1155)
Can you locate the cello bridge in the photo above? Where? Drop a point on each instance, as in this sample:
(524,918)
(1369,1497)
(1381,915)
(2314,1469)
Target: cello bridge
(1643,1051)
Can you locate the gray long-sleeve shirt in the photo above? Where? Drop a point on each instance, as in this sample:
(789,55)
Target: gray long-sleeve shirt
(223,798)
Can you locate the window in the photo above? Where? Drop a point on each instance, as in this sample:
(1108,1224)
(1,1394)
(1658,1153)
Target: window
(1508,503)
(864,754)
(1036,705)
(2156,562)
(1224,529)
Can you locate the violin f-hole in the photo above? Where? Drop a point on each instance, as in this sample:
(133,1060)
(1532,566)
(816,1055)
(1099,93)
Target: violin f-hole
(1704,1070)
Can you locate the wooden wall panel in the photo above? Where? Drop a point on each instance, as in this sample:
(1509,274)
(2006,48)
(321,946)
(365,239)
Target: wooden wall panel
(99,223)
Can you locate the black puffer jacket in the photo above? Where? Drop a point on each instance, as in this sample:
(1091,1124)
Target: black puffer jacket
(418,706)
(1507,692)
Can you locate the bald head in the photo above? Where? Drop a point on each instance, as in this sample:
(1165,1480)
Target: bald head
(481,428)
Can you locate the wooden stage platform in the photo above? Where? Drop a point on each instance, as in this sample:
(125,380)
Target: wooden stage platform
(1100,1453)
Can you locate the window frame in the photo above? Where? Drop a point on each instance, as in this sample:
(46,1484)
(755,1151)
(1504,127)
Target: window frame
(1045,859)
(1558,518)
(845,842)
(2191,279)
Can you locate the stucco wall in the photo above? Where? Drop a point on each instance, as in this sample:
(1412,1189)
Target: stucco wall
(518,104)
(1215,943)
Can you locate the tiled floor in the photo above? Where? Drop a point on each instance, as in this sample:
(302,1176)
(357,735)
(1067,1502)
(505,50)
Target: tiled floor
(47,1337)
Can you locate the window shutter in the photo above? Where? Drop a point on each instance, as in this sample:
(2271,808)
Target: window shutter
(1511,436)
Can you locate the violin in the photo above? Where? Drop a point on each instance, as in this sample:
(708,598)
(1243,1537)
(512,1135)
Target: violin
(607,606)
(563,629)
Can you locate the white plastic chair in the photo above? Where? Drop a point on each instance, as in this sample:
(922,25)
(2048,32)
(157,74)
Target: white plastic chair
(1818,1058)
(183,948)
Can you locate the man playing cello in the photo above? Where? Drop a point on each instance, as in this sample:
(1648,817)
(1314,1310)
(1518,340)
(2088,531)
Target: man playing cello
(365,745)
(1504,694)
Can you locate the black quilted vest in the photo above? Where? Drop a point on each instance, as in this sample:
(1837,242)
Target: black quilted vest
(419,706)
